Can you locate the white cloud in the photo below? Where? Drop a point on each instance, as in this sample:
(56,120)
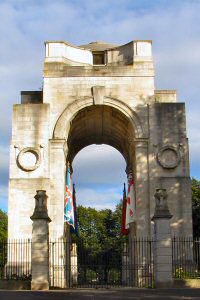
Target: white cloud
(4,161)
(4,158)
(99,199)
(99,165)
(172,25)
(99,174)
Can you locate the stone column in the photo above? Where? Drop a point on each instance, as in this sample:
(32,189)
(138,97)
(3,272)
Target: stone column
(40,243)
(163,243)
(142,188)
(57,169)
(132,259)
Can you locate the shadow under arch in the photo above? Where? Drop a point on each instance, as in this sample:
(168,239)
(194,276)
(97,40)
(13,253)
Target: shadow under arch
(62,125)
(101,124)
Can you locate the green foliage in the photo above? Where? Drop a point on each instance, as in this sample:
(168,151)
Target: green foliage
(3,225)
(100,244)
(196,207)
(181,273)
(98,226)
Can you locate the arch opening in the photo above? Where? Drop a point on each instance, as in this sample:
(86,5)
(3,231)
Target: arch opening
(98,178)
(99,245)
(101,124)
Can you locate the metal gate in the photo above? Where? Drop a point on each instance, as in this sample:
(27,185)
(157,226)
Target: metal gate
(90,264)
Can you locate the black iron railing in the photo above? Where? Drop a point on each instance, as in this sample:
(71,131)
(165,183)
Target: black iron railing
(15,259)
(115,263)
(186,257)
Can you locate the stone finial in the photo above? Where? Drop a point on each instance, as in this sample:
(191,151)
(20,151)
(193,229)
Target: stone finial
(161,208)
(40,211)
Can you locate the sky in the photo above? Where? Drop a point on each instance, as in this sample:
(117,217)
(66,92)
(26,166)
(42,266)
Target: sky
(174,28)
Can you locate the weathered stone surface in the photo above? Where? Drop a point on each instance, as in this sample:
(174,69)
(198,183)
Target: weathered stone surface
(163,241)
(40,236)
(146,125)
(40,213)
(98,94)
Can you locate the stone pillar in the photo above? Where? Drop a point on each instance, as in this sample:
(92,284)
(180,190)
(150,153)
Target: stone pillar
(163,243)
(132,251)
(142,188)
(57,169)
(40,243)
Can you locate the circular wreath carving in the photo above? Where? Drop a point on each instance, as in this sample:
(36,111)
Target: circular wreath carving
(168,157)
(29,159)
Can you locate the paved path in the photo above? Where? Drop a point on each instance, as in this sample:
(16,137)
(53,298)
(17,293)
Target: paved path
(118,294)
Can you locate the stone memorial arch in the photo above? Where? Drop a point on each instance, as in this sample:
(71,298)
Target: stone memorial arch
(98,94)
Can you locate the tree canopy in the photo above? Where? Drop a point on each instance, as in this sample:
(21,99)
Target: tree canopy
(3,225)
(99,244)
(196,207)
(99,226)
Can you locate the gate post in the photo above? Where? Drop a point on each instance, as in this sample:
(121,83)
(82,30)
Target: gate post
(163,243)
(40,243)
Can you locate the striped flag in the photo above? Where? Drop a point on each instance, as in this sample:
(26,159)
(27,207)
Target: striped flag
(75,228)
(130,208)
(124,230)
(68,202)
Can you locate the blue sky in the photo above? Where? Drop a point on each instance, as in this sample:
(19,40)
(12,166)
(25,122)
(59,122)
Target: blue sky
(173,26)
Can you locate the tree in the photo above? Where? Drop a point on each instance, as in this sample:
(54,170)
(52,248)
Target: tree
(99,243)
(196,207)
(3,225)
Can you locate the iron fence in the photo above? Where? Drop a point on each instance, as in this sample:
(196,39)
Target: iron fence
(186,257)
(59,263)
(118,263)
(15,259)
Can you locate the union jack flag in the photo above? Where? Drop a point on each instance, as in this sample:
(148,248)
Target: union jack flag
(68,203)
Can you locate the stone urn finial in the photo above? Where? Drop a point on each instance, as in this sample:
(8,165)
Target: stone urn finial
(40,211)
(161,208)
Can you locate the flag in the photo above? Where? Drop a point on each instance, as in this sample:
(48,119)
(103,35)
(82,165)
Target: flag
(75,228)
(124,230)
(130,208)
(68,203)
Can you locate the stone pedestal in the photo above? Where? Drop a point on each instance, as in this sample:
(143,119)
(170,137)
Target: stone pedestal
(40,243)
(163,243)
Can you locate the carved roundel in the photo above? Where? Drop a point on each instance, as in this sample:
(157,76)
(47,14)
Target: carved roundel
(29,159)
(168,157)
